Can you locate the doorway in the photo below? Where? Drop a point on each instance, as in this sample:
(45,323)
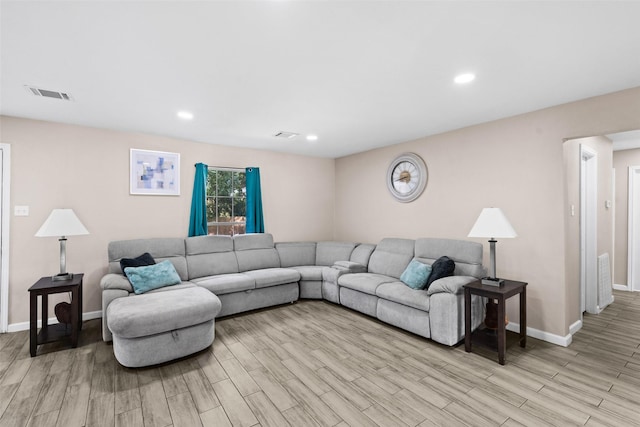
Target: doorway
(5,156)
(633,265)
(588,229)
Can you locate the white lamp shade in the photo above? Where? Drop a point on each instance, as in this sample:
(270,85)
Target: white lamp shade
(492,223)
(62,222)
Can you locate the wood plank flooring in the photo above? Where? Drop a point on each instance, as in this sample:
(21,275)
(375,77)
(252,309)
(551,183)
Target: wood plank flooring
(317,364)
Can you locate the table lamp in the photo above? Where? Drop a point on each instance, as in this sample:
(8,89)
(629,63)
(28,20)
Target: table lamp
(62,223)
(492,223)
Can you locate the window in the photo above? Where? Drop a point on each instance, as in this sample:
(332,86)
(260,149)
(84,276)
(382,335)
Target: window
(226,201)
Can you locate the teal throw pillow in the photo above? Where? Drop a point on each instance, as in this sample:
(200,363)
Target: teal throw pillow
(416,275)
(144,279)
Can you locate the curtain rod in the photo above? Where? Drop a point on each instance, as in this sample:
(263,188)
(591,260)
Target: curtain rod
(230,168)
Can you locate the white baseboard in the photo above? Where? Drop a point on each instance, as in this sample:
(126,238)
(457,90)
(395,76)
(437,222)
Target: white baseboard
(575,327)
(544,336)
(620,287)
(24,326)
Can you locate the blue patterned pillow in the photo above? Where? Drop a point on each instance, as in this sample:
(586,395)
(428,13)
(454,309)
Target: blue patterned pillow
(416,275)
(144,279)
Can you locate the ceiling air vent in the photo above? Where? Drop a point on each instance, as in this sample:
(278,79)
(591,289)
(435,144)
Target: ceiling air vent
(286,135)
(49,93)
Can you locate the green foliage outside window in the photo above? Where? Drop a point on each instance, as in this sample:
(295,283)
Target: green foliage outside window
(226,201)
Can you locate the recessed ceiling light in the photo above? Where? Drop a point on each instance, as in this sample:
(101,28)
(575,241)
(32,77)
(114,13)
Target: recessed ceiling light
(185,115)
(464,78)
(312,137)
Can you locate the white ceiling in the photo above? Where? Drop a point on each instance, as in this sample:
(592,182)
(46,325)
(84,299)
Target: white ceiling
(360,75)
(625,140)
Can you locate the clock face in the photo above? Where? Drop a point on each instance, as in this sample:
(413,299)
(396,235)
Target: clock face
(407,177)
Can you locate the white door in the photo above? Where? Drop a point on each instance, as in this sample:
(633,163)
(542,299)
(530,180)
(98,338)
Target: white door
(4,236)
(633,265)
(588,230)
(3,314)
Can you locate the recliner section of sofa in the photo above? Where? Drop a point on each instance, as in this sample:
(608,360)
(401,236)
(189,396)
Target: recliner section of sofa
(387,262)
(436,313)
(247,272)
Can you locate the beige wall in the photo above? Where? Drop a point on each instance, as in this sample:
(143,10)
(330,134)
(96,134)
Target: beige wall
(515,164)
(56,165)
(621,162)
(603,148)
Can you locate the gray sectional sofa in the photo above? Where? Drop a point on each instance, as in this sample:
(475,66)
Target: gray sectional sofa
(247,272)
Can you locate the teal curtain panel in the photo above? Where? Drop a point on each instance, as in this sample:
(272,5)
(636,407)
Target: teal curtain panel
(198,219)
(255,222)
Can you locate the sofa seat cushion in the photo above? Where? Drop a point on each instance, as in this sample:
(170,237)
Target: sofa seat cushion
(150,314)
(402,294)
(364,282)
(273,276)
(309,272)
(177,287)
(226,283)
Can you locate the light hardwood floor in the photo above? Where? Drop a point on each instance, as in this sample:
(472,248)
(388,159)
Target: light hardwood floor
(316,364)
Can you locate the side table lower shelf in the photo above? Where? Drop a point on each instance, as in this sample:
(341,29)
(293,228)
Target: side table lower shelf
(485,340)
(53,333)
(50,333)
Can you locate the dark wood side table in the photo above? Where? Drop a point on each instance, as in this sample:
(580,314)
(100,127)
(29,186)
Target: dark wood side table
(44,287)
(500,293)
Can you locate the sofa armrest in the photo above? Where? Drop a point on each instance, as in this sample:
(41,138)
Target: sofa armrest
(115,281)
(350,267)
(332,274)
(451,284)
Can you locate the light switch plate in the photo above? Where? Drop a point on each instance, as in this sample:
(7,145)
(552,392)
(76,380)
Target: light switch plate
(21,211)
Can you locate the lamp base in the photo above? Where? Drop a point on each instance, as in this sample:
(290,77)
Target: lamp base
(62,276)
(492,281)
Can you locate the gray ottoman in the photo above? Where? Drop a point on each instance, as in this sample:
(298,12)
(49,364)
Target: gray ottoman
(158,327)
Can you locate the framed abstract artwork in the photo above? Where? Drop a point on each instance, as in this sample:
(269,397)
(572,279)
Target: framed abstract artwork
(154,173)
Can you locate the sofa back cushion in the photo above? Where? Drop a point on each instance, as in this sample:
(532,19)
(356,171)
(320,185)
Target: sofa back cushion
(255,251)
(391,257)
(467,255)
(327,253)
(210,256)
(295,254)
(160,249)
(362,253)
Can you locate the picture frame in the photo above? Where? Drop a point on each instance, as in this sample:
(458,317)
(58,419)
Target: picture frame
(154,173)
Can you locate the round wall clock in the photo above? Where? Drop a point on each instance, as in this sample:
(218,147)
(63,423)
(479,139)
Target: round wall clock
(407,177)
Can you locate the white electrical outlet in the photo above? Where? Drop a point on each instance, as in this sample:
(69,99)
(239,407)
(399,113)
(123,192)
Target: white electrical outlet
(21,211)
